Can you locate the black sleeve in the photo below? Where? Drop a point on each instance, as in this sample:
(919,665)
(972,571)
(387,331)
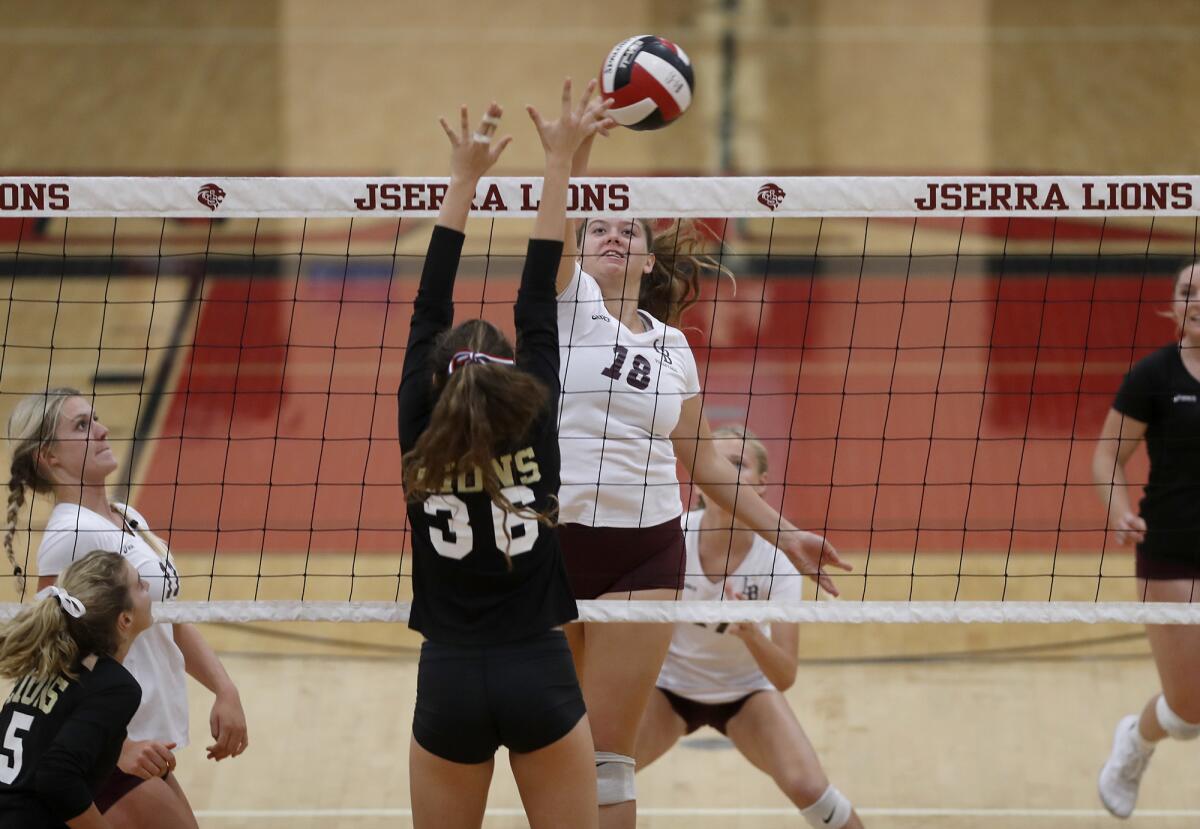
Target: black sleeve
(1135,398)
(433,313)
(96,726)
(536,313)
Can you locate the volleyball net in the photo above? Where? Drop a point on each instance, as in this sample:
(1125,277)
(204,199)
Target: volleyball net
(926,360)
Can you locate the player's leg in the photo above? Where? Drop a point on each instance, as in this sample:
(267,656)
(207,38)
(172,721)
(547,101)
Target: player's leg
(1176,650)
(153,804)
(768,734)
(621,662)
(1174,712)
(576,641)
(558,783)
(660,729)
(445,794)
(454,738)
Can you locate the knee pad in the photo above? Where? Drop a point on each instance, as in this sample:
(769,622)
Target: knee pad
(614,778)
(1175,725)
(831,811)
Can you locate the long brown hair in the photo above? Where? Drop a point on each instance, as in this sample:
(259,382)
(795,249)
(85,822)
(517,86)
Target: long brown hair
(680,259)
(44,640)
(31,428)
(481,409)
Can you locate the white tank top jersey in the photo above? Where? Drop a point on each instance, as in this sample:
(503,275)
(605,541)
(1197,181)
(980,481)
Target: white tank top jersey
(154,659)
(704,663)
(622,392)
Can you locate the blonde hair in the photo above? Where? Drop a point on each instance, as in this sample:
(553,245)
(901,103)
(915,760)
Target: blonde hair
(31,428)
(749,441)
(45,641)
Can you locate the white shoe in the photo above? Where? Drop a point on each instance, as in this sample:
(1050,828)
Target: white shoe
(1122,774)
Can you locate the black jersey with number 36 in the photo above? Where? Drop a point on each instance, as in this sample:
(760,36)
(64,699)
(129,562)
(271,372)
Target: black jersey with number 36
(463,591)
(60,741)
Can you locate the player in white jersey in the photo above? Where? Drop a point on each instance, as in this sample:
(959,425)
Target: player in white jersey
(630,411)
(731,676)
(60,448)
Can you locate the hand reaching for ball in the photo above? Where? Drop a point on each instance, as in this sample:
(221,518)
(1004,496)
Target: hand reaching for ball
(473,153)
(576,123)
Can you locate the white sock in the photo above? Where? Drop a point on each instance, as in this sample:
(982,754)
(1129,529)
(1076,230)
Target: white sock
(1143,745)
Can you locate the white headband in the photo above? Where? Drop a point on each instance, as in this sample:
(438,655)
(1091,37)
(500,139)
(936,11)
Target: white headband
(69,603)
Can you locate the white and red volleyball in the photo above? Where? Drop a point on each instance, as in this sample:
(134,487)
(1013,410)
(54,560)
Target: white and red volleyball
(649,80)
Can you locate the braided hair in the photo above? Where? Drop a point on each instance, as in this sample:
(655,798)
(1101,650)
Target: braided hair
(31,428)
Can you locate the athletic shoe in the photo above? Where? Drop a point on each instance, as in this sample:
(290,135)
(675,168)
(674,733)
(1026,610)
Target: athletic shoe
(1122,774)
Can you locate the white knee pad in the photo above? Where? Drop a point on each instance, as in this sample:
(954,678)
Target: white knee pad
(614,778)
(1175,725)
(831,811)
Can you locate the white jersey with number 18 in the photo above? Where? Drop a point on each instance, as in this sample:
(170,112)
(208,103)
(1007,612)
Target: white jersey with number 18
(622,392)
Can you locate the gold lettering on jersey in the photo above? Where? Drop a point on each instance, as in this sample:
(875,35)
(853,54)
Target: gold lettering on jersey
(470,481)
(503,469)
(507,468)
(38,693)
(51,692)
(527,466)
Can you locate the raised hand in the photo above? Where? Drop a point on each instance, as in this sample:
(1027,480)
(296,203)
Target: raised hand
(576,124)
(474,153)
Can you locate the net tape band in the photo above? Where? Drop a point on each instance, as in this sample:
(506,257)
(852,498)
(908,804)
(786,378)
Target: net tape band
(737,197)
(705,611)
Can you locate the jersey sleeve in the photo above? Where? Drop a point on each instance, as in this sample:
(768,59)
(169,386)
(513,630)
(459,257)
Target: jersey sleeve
(62,545)
(99,722)
(691,374)
(536,313)
(1135,397)
(433,313)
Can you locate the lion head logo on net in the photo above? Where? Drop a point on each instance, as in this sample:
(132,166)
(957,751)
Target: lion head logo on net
(771,195)
(211,196)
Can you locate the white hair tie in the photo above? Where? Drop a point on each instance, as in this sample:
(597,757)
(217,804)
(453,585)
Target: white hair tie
(466,358)
(69,603)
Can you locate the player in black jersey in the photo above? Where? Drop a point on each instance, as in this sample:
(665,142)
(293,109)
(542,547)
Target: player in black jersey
(481,475)
(64,721)
(1159,401)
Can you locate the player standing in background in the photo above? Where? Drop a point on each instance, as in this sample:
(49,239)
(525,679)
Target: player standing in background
(1159,402)
(60,448)
(731,677)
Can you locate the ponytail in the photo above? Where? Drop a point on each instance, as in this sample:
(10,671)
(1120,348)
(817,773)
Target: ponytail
(45,640)
(482,409)
(673,285)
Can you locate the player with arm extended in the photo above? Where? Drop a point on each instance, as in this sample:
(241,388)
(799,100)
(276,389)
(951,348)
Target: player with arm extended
(631,411)
(478,430)
(732,677)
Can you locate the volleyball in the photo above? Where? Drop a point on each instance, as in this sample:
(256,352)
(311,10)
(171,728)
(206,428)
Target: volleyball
(649,80)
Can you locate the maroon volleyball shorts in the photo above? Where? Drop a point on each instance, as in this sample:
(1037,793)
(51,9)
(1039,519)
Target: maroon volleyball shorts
(620,559)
